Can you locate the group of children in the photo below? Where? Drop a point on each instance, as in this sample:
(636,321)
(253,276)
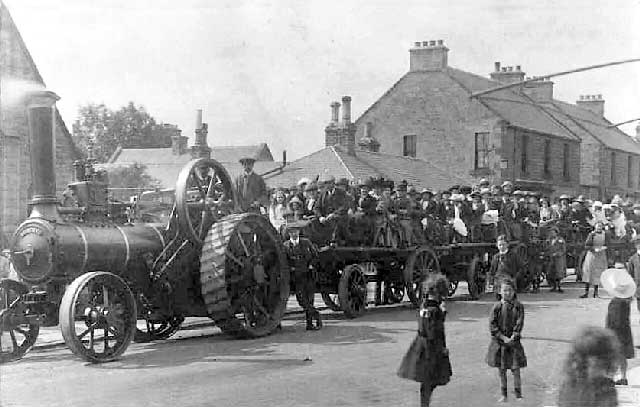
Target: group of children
(596,356)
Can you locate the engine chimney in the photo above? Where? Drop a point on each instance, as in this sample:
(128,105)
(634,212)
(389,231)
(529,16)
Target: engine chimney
(40,113)
(201,148)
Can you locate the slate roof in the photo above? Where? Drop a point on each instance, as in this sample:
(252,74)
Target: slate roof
(165,155)
(511,106)
(335,161)
(164,166)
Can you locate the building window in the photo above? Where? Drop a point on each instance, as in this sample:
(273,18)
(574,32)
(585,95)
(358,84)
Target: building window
(523,153)
(482,151)
(613,168)
(409,146)
(547,158)
(629,171)
(565,162)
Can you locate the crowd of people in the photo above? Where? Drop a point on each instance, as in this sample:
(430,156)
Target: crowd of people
(457,214)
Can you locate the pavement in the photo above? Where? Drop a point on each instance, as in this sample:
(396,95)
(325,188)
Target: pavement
(351,362)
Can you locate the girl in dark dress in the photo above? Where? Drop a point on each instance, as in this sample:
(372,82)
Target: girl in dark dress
(505,350)
(621,286)
(427,360)
(588,369)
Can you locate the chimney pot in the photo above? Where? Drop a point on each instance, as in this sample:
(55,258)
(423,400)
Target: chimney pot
(416,44)
(518,67)
(335,112)
(198,119)
(497,66)
(599,96)
(346,109)
(440,42)
(425,43)
(510,69)
(504,69)
(432,43)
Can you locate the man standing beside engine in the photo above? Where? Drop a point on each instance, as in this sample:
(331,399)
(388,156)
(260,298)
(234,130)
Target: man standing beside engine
(301,254)
(251,188)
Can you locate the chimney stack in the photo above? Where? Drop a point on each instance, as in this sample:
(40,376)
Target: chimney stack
(368,142)
(594,103)
(507,74)
(346,110)
(540,90)
(201,148)
(343,136)
(428,56)
(178,141)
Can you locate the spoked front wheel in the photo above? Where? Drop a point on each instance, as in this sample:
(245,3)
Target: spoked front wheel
(17,333)
(98,316)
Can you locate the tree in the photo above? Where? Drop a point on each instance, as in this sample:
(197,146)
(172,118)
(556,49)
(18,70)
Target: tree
(130,180)
(130,127)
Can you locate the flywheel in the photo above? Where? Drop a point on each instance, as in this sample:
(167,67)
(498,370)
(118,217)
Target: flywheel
(244,275)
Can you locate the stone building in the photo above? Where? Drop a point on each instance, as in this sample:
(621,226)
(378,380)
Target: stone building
(18,75)
(519,134)
(342,159)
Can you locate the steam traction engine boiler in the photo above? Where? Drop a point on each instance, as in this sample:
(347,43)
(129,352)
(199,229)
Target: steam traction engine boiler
(107,279)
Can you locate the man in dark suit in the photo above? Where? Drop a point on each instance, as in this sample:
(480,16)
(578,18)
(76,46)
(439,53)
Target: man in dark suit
(331,210)
(301,255)
(251,188)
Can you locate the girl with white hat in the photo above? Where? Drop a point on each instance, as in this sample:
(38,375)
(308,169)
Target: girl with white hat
(620,285)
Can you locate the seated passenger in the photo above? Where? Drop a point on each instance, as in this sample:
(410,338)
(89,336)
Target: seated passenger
(277,209)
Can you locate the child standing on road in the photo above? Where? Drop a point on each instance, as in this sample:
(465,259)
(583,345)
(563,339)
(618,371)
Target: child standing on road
(505,350)
(620,285)
(427,360)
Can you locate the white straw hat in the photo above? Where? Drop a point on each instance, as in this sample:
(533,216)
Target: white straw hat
(618,282)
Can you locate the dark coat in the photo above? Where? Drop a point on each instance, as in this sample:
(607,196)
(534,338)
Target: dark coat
(557,252)
(507,318)
(427,360)
(618,321)
(588,244)
(507,265)
(251,188)
(405,208)
(299,258)
(368,205)
(336,203)
(507,211)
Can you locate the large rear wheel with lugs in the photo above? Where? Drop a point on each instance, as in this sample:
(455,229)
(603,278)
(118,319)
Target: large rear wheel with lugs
(244,275)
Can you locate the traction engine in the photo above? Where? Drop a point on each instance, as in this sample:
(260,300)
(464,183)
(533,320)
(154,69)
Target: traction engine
(106,277)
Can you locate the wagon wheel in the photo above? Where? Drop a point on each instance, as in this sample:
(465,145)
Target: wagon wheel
(419,264)
(394,291)
(244,275)
(475,279)
(158,329)
(98,316)
(331,300)
(453,286)
(17,336)
(199,183)
(352,291)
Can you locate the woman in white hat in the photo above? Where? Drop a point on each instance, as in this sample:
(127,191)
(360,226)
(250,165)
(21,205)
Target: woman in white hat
(595,261)
(620,285)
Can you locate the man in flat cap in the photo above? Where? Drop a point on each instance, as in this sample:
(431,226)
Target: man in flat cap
(331,210)
(301,255)
(251,188)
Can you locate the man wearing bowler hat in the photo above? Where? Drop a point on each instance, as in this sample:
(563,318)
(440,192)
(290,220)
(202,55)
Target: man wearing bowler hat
(301,255)
(251,188)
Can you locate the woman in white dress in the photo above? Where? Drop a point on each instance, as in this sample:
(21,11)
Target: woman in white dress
(595,261)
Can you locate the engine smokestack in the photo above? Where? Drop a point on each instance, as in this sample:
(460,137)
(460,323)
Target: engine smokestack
(40,113)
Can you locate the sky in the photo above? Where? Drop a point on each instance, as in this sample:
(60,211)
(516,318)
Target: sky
(267,71)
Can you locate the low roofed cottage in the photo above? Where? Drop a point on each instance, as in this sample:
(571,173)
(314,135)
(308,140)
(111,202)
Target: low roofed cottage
(164,164)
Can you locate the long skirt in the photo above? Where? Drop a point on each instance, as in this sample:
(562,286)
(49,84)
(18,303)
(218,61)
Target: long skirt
(429,366)
(593,266)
